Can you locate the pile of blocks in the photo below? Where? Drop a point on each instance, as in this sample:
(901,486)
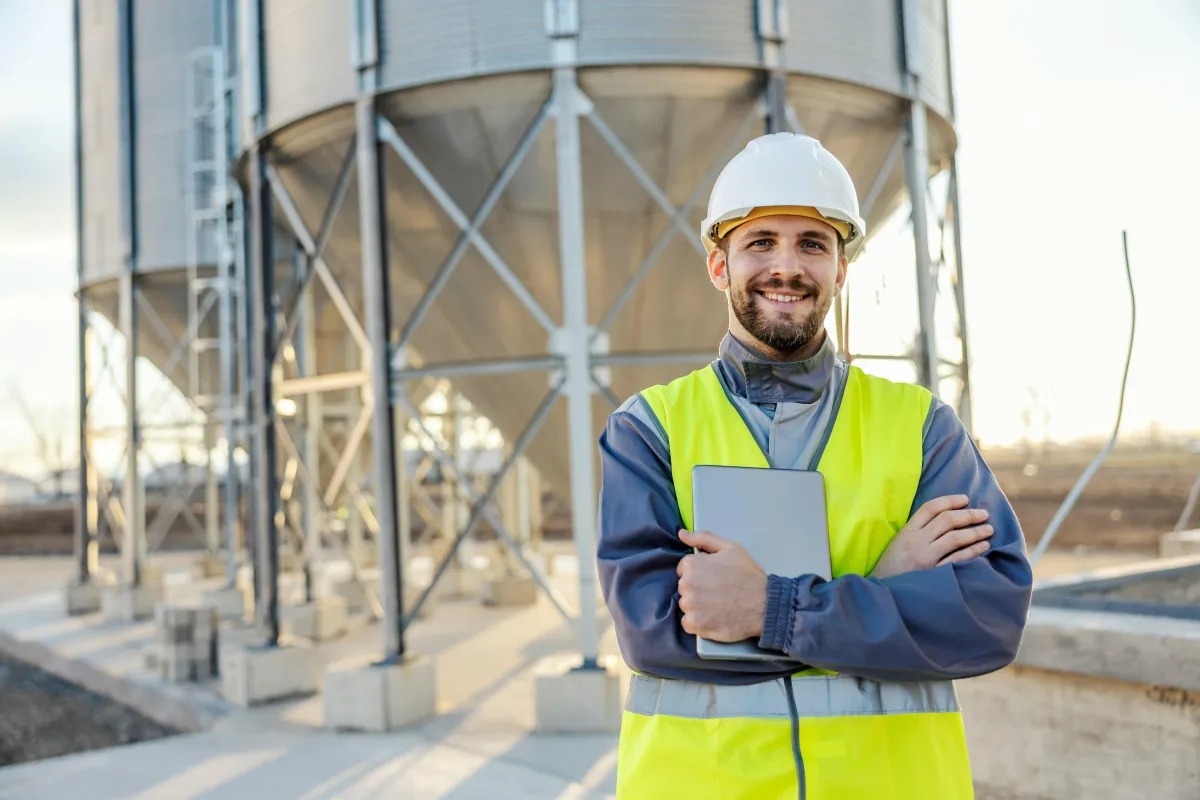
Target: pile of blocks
(187,642)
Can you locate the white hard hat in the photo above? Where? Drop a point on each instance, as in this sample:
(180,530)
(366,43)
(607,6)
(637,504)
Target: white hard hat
(785,170)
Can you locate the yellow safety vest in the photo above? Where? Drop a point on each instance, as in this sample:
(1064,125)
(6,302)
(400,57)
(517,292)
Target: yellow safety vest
(858,739)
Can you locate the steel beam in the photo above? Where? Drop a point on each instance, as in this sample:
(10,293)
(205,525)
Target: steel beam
(576,338)
(376,296)
(313,384)
(263,325)
(458,369)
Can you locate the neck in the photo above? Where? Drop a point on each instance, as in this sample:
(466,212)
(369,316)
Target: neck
(761,377)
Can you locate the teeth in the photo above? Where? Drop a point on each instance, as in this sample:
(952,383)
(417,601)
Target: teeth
(780,298)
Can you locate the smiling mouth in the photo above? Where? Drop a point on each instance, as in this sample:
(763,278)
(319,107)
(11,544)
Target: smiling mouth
(783,298)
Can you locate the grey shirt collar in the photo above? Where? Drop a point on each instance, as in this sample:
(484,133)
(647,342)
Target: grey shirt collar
(760,380)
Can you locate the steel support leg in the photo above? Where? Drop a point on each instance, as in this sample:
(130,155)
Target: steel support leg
(965,411)
(212,494)
(266,487)
(133,501)
(373,221)
(314,422)
(575,337)
(917,172)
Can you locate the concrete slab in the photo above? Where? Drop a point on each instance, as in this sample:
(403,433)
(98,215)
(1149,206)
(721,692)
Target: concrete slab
(571,699)
(252,675)
(365,696)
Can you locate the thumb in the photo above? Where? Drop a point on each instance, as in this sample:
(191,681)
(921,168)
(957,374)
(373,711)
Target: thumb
(703,540)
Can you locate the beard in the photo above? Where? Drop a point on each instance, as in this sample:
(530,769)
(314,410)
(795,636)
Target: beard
(773,329)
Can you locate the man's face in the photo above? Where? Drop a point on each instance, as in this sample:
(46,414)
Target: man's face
(781,274)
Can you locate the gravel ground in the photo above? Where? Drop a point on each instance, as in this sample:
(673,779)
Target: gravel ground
(42,716)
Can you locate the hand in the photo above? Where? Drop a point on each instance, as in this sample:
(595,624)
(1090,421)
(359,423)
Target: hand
(722,590)
(943,531)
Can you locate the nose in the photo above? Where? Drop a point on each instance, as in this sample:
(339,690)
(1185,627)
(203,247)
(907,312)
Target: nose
(787,264)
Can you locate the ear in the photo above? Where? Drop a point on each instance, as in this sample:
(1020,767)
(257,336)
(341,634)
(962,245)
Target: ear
(718,269)
(843,266)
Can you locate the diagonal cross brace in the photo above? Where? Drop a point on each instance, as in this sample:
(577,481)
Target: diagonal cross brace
(442,277)
(481,507)
(388,133)
(318,261)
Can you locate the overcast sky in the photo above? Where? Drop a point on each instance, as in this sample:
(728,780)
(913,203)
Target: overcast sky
(1076,118)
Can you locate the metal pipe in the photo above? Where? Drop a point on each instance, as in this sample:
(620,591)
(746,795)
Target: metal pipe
(578,379)
(376,293)
(263,323)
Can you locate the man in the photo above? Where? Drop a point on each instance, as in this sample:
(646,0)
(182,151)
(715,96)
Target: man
(930,576)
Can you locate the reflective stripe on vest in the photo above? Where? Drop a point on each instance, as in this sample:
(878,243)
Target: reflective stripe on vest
(817,696)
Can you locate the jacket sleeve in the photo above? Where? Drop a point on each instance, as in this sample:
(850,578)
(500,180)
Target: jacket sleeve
(638,550)
(953,621)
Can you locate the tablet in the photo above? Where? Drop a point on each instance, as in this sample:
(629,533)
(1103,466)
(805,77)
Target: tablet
(778,515)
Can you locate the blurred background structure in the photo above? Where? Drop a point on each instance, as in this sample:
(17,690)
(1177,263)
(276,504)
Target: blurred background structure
(359,281)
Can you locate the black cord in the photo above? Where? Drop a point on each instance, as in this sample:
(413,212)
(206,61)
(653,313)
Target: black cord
(795,715)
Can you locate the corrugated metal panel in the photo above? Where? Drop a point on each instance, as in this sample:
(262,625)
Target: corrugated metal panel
(426,42)
(166,34)
(308,57)
(101,141)
(931,44)
(667,31)
(852,40)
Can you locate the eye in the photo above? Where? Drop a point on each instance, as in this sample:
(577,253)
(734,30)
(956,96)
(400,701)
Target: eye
(815,243)
(758,242)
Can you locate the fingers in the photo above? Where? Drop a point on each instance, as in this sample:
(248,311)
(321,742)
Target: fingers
(959,518)
(957,540)
(926,513)
(703,540)
(966,554)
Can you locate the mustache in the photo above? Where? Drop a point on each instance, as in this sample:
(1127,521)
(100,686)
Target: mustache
(796,284)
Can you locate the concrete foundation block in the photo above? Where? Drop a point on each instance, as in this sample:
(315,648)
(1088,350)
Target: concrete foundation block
(320,620)
(187,642)
(254,675)
(510,591)
(84,598)
(571,699)
(353,594)
(209,565)
(231,603)
(129,603)
(1183,543)
(459,582)
(359,695)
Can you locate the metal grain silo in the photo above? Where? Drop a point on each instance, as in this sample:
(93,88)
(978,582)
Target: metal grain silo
(151,184)
(507,193)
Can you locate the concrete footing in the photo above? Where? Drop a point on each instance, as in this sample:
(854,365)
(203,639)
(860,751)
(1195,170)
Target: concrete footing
(359,695)
(85,598)
(510,591)
(130,603)
(253,675)
(570,699)
(1183,543)
(320,620)
(187,642)
(231,603)
(209,565)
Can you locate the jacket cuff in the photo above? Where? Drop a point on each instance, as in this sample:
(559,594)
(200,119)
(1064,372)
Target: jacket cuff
(781,610)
